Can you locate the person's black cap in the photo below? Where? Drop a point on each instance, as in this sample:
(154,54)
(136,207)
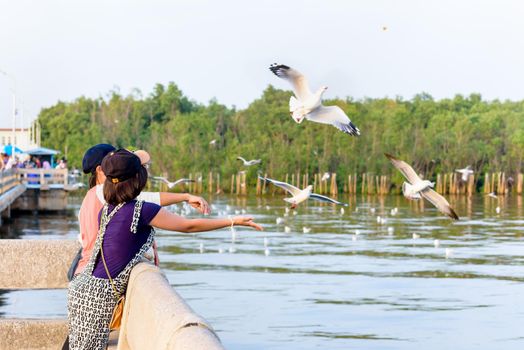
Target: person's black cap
(120,165)
(94,156)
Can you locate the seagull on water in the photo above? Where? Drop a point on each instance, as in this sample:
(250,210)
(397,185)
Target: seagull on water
(493,195)
(298,195)
(249,162)
(422,188)
(466,172)
(172,184)
(308,105)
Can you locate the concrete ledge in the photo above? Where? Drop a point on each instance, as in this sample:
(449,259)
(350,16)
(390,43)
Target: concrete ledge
(32,334)
(44,198)
(7,198)
(36,264)
(156,317)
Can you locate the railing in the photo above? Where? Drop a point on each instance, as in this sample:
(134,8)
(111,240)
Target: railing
(8,180)
(44,178)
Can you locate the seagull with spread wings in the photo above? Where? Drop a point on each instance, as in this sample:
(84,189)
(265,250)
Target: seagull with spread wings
(466,172)
(298,195)
(171,184)
(416,187)
(249,162)
(308,105)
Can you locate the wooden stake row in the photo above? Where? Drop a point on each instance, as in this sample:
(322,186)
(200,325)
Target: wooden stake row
(448,183)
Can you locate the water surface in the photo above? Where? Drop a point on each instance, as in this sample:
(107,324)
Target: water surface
(350,282)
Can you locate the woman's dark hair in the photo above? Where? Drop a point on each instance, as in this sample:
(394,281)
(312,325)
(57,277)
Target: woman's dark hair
(92,179)
(125,191)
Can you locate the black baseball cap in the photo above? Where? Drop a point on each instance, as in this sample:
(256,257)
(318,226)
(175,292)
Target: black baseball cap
(121,165)
(94,156)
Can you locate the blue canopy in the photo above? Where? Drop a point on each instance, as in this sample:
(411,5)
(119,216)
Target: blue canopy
(8,149)
(42,151)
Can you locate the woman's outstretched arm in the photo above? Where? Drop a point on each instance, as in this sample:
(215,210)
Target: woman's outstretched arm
(172,222)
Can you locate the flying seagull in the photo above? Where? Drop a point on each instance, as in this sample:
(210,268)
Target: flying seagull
(172,184)
(325,176)
(250,162)
(298,195)
(466,172)
(417,186)
(308,105)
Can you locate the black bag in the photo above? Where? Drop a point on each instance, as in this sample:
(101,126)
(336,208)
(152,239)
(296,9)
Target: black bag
(74,264)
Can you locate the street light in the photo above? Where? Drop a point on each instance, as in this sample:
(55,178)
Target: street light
(13,93)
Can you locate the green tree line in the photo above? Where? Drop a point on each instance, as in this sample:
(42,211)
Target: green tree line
(433,135)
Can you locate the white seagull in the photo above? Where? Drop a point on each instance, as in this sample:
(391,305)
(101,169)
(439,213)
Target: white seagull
(466,172)
(249,162)
(419,187)
(493,195)
(308,105)
(298,195)
(325,176)
(172,184)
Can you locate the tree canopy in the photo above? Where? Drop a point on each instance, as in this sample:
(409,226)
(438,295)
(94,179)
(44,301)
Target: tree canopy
(434,136)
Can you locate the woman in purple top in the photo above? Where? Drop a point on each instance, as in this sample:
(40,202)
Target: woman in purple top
(126,233)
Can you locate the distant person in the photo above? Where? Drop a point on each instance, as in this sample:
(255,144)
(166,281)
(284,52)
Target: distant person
(126,233)
(11,163)
(62,164)
(46,165)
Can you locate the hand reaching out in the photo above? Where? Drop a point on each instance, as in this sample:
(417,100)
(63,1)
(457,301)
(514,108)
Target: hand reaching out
(199,203)
(247,221)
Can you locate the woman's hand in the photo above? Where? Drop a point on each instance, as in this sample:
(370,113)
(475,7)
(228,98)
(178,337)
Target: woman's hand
(199,203)
(246,221)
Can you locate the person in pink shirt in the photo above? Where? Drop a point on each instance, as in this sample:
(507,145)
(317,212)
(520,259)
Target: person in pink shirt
(94,201)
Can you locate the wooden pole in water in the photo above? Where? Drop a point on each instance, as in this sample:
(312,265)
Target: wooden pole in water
(238,183)
(334,187)
(264,184)
(232,188)
(218,184)
(363,183)
(258,187)
(487,187)
(493,189)
(520,179)
(471,185)
(244,184)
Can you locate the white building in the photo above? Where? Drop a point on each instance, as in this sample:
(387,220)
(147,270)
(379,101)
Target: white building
(23,138)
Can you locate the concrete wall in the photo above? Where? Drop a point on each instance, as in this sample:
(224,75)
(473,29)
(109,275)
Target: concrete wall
(35,264)
(39,199)
(32,334)
(8,198)
(155,316)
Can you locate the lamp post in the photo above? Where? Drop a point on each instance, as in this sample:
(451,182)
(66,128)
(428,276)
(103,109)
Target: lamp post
(13,93)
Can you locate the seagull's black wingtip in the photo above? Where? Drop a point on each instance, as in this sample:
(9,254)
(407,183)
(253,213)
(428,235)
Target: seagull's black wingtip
(390,157)
(453,215)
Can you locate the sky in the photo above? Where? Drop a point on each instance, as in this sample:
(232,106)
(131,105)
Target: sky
(59,50)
